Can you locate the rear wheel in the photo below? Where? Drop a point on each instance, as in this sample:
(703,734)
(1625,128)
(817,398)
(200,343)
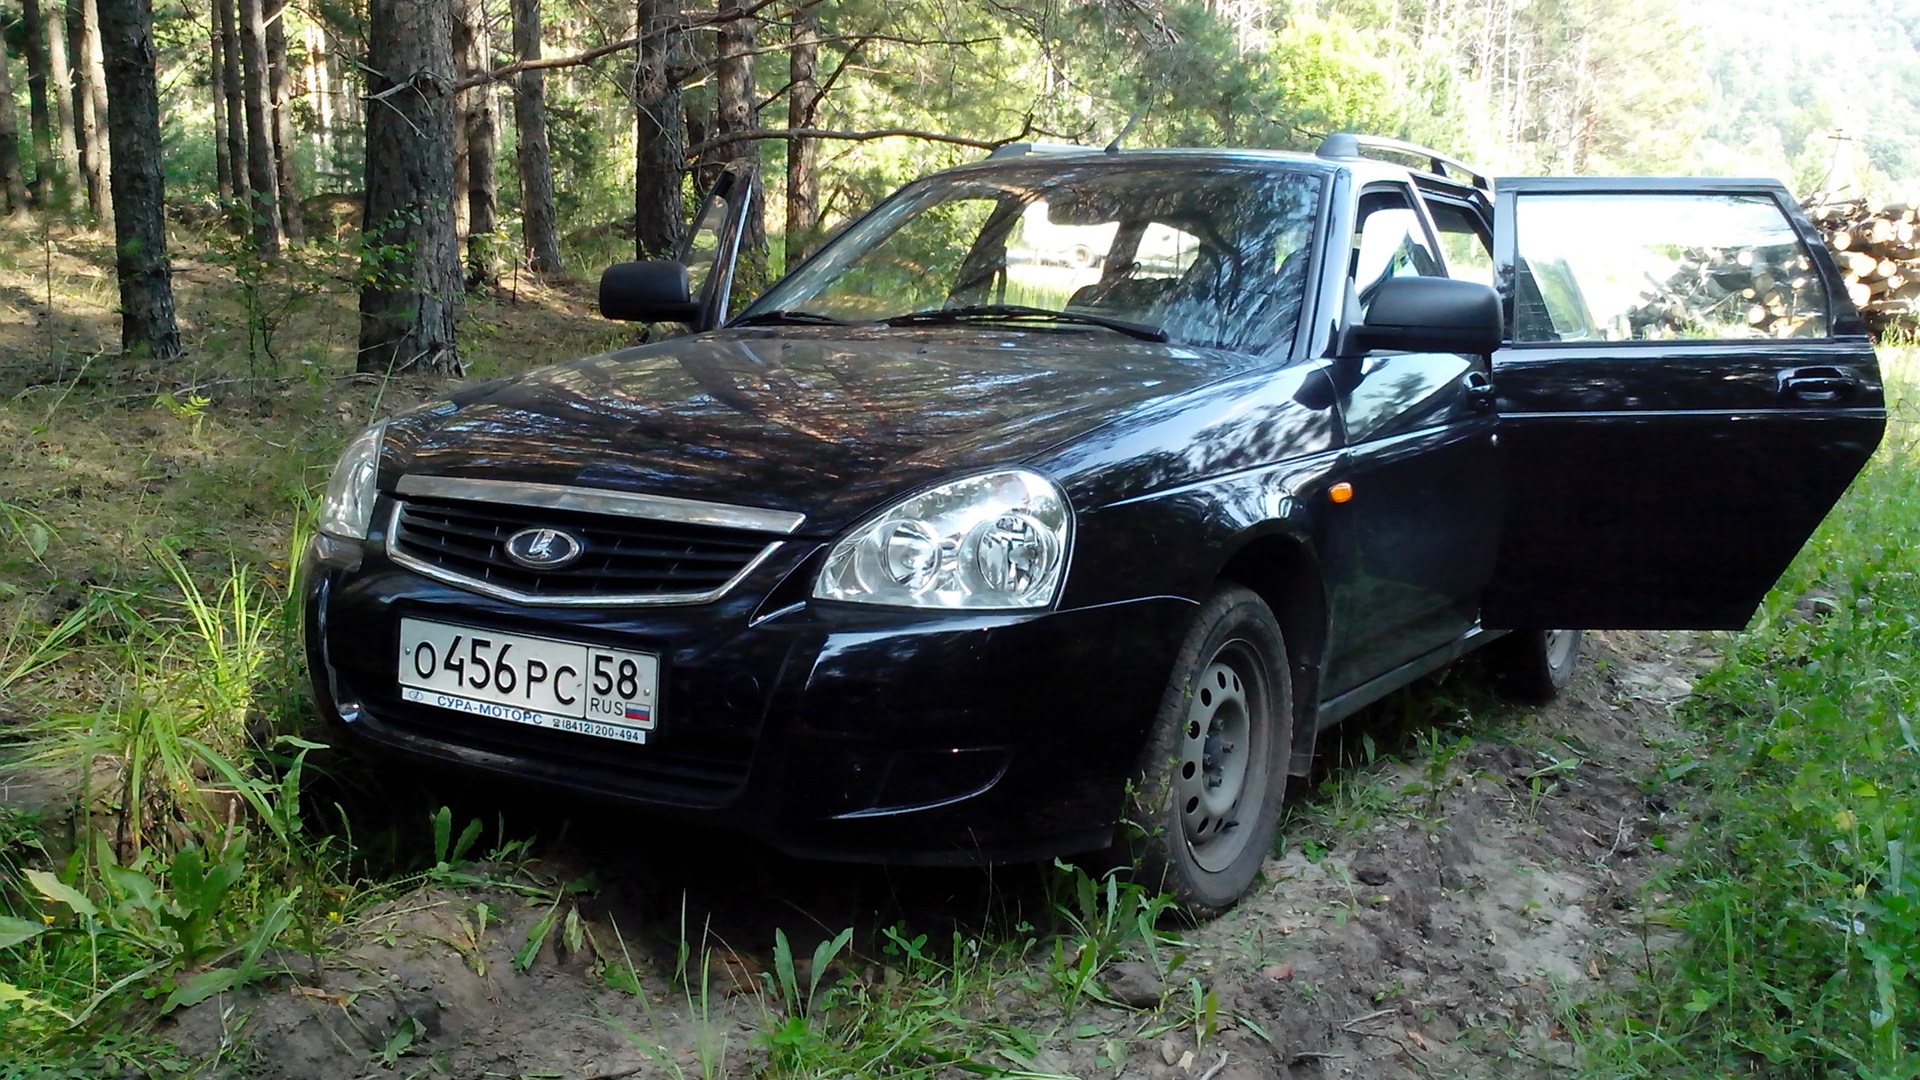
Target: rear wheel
(1207,798)
(1534,665)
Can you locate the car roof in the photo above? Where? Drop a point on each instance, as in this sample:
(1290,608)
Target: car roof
(1363,170)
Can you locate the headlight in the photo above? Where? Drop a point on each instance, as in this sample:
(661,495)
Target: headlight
(997,540)
(348,507)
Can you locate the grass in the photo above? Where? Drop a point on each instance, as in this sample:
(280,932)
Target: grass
(147,657)
(148,665)
(148,525)
(1796,901)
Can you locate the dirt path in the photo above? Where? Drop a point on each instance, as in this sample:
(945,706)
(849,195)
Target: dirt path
(1462,897)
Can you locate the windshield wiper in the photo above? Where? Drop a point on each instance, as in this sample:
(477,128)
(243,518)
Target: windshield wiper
(1019,312)
(804,318)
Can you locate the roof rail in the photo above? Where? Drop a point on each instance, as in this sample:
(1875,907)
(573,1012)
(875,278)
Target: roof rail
(1350,145)
(1021,149)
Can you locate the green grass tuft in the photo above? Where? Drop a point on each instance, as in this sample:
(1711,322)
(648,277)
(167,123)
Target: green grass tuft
(1797,898)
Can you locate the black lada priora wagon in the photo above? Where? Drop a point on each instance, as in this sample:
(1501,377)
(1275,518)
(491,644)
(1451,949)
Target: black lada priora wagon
(1059,502)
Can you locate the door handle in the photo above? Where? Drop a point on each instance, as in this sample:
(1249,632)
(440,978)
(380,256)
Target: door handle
(1478,387)
(1819,384)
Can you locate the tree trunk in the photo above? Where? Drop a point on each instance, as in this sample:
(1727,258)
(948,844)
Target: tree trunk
(734,94)
(60,70)
(235,132)
(13,182)
(477,137)
(320,90)
(538,228)
(217,89)
(95,156)
(34,30)
(139,194)
(461,205)
(280,97)
(660,148)
(410,302)
(803,155)
(262,182)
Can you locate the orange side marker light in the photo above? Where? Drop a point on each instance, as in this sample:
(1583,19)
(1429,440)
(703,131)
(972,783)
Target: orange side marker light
(1340,492)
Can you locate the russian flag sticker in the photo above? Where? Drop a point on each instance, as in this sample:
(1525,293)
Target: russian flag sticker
(640,714)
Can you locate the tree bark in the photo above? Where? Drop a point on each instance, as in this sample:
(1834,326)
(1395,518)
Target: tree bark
(13,182)
(235,133)
(661,138)
(66,162)
(280,97)
(539,228)
(461,205)
(320,89)
(803,154)
(95,155)
(139,195)
(263,210)
(477,134)
(734,111)
(33,29)
(217,89)
(410,302)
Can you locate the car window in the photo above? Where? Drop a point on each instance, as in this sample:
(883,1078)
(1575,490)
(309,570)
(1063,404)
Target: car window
(1164,251)
(703,242)
(1389,242)
(1046,247)
(1215,256)
(1464,241)
(1649,267)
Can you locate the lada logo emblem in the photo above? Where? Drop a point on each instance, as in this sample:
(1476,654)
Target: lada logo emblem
(544,549)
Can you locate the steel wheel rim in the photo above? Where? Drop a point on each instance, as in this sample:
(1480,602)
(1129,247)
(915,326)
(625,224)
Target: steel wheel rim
(1560,646)
(1219,782)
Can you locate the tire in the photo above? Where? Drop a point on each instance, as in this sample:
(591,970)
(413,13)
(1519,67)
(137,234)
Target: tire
(1534,666)
(1206,800)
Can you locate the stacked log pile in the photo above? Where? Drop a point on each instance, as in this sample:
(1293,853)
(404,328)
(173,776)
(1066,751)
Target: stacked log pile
(1773,291)
(1878,251)
(1740,292)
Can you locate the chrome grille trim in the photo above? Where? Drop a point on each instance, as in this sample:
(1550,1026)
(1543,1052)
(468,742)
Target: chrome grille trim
(599,501)
(515,596)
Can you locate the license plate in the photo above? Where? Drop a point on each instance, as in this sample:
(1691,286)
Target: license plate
(561,685)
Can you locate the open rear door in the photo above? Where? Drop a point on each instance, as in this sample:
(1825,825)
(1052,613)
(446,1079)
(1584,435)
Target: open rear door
(1684,393)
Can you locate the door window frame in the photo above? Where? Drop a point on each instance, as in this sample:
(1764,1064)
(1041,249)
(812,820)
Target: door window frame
(1843,319)
(1421,219)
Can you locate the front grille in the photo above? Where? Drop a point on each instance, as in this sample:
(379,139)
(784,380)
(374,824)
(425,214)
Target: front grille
(625,559)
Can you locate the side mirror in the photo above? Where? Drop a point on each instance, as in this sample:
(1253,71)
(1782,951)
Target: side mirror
(1427,314)
(652,291)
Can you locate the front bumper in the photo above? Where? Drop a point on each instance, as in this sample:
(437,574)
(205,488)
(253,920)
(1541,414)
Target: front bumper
(833,731)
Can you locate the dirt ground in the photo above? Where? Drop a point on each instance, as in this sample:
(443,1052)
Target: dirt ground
(1437,929)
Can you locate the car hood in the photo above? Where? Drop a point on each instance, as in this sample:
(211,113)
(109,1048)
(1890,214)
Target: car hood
(826,421)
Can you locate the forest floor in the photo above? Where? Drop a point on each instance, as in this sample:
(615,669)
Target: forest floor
(1438,912)
(1464,888)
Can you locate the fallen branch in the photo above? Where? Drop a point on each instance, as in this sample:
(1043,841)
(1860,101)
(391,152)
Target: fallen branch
(1374,1015)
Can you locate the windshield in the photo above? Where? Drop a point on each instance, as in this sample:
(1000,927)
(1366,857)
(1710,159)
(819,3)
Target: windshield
(1214,255)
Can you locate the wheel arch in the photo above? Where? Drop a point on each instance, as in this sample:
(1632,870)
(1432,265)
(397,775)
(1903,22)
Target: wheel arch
(1282,569)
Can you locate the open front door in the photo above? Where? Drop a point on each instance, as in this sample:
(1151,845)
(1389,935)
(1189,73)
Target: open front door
(711,251)
(1684,393)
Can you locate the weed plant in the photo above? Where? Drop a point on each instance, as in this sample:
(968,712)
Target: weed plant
(1797,898)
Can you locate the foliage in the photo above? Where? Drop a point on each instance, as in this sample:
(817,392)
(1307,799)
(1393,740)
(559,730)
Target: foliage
(1797,899)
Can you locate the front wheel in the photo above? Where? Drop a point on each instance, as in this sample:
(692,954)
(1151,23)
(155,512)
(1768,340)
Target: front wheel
(1206,800)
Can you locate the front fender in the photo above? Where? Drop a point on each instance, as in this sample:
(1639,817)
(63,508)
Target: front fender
(1178,542)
